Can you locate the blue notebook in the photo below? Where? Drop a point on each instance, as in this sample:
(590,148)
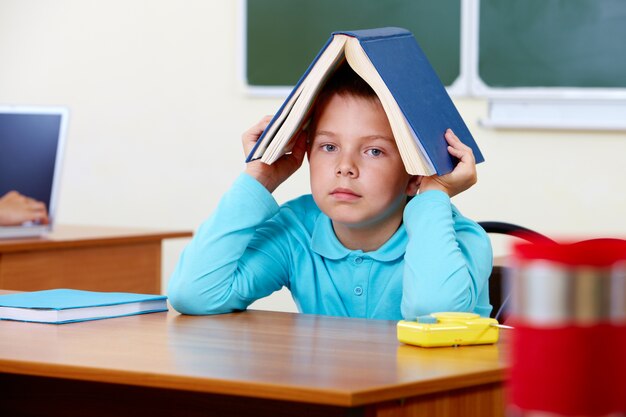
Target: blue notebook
(417,104)
(66,305)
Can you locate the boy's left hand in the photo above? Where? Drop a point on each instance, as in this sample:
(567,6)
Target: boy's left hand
(464,174)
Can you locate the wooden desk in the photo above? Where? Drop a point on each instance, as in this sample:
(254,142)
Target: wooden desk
(249,363)
(88,258)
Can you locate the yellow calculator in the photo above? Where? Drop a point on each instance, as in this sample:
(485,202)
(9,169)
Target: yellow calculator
(448,329)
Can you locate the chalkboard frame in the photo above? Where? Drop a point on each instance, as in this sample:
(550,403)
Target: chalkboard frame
(478,88)
(460,86)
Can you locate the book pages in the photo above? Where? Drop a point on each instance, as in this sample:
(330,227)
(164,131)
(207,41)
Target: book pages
(415,160)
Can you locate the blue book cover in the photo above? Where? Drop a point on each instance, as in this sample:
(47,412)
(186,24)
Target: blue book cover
(415,87)
(68,305)
(419,92)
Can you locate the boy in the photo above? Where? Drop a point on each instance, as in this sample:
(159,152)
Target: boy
(363,245)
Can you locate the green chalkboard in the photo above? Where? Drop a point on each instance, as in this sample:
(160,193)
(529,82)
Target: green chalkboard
(283,36)
(552,43)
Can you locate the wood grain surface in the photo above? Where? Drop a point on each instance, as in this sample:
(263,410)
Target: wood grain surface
(293,358)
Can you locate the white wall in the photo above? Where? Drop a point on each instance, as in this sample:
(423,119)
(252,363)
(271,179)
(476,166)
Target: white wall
(157,110)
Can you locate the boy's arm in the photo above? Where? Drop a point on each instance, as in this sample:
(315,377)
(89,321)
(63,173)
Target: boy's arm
(448,259)
(218,272)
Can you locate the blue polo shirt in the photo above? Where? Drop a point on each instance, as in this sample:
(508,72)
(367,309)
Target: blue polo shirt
(437,260)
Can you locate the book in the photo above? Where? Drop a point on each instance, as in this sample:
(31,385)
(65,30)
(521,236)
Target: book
(415,101)
(66,305)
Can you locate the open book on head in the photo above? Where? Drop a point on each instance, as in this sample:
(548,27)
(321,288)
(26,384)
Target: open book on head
(415,101)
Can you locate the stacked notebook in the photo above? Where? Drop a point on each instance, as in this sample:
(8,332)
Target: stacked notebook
(66,305)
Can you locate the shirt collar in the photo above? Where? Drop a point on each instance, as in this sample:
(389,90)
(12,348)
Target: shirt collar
(324,242)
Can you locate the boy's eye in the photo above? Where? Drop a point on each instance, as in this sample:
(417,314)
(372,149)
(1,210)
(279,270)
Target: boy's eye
(374,152)
(329,148)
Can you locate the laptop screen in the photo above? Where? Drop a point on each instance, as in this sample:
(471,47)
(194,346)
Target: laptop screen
(31,142)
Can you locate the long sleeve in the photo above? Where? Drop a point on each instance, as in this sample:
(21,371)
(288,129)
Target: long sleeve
(438,260)
(218,272)
(448,259)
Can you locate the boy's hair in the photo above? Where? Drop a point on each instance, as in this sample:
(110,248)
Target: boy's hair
(343,82)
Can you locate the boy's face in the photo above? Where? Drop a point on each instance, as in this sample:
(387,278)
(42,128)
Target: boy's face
(357,176)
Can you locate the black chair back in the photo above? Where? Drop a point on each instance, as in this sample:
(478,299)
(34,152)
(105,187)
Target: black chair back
(496,288)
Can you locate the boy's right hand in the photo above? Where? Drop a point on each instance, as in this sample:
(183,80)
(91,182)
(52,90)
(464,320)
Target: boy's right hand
(464,174)
(271,176)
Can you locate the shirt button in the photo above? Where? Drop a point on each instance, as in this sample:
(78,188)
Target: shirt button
(358,290)
(358,260)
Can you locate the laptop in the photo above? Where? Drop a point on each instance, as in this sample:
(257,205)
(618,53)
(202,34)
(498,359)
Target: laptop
(32,141)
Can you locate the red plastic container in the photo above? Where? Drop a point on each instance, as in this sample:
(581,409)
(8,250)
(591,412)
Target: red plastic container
(569,343)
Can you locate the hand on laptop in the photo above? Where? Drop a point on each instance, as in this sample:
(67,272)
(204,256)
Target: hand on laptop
(16,209)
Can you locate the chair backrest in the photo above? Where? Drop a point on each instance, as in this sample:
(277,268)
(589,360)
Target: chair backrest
(496,288)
